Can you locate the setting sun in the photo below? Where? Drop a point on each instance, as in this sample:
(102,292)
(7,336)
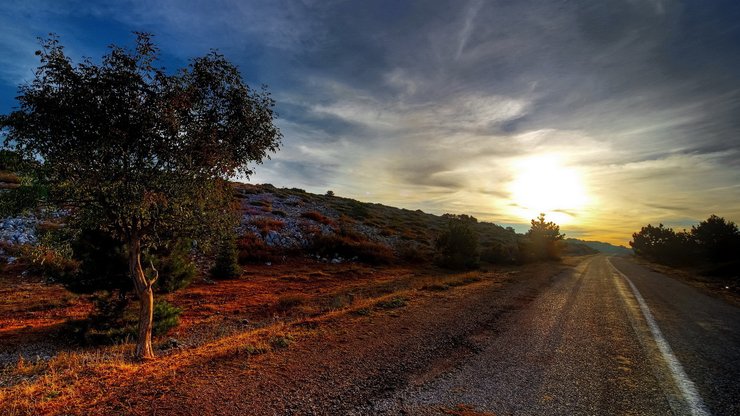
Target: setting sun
(544,184)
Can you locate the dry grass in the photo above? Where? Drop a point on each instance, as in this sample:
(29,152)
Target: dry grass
(265,224)
(212,328)
(318,217)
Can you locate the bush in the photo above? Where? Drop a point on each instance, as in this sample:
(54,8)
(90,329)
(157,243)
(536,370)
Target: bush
(412,252)
(176,268)
(351,246)
(265,225)
(500,253)
(103,264)
(318,217)
(392,303)
(252,249)
(457,247)
(115,319)
(226,265)
(290,301)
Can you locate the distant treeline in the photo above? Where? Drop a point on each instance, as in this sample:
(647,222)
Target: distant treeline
(715,241)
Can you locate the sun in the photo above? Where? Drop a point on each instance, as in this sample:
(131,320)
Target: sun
(544,184)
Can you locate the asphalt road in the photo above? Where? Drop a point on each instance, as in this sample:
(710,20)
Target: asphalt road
(608,338)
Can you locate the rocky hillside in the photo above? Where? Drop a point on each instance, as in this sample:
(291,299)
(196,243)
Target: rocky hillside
(277,222)
(292,219)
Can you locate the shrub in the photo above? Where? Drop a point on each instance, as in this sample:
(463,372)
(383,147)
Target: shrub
(436,287)
(290,301)
(358,210)
(103,264)
(412,253)
(393,303)
(226,265)
(280,342)
(265,225)
(260,203)
(252,249)
(176,268)
(499,253)
(350,246)
(318,217)
(115,320)
(457,246)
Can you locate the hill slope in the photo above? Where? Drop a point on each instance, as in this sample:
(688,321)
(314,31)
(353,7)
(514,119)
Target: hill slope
(291,219)
(602,247)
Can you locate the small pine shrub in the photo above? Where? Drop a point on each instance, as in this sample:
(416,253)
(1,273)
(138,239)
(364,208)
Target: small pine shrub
(176,268)
(166,317)
(226,265)
(116,319)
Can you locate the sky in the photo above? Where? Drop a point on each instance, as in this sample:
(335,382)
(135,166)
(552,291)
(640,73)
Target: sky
(605,115)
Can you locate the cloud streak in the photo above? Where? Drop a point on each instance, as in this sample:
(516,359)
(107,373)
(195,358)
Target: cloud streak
(430,104)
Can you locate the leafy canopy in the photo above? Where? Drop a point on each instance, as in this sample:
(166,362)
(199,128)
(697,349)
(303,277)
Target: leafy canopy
(134,150)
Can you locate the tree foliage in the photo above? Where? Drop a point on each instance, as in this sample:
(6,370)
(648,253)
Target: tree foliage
(717,238)
(712,240)
(457,246)
(542,241)
(140,154)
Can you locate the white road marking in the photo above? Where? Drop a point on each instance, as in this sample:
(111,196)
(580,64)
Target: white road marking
(685,385)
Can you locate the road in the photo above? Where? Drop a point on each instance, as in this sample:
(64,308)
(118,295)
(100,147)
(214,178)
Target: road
(609,337)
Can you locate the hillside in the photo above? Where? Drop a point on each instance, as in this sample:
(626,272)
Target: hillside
(602,247)
(288,220)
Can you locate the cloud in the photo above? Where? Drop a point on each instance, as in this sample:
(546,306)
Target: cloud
(429,104)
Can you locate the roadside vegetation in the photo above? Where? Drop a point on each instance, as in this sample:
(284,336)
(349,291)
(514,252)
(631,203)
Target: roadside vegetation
(710,249)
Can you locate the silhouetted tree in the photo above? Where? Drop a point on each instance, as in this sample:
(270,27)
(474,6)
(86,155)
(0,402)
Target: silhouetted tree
(653,242)
(544,238)
(138,153)
(717,238)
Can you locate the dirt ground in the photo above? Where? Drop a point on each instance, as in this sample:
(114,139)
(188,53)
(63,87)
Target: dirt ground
(295,338)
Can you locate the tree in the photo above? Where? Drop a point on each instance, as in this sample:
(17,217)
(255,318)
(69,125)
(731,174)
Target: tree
(718,239)
(457,246)
(138,153)
(652,241)
(226,265)
(664,245)
(544,237)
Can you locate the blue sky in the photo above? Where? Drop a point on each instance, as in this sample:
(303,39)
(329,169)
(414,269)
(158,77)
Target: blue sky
(627,109)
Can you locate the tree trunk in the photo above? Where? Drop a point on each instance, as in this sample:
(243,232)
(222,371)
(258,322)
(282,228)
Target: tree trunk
(144,291)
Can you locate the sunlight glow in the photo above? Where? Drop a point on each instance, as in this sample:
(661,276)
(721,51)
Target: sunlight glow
(544,184)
